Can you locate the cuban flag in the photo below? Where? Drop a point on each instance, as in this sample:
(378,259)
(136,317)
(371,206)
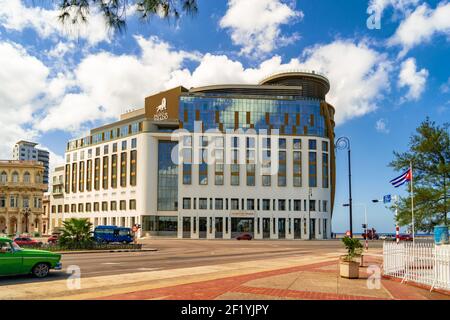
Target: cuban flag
(401,179)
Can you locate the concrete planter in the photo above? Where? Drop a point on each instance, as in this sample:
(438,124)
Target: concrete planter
(349,269)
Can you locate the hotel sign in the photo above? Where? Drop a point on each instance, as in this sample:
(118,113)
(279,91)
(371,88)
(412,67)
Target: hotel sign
(250,214)
(161,111)
(164,105)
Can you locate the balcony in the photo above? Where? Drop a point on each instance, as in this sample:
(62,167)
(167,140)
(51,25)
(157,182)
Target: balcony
(23,185)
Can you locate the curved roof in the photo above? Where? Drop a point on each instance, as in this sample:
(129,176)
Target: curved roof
(286,83)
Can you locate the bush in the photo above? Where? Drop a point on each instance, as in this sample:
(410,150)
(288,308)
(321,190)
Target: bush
(354,247)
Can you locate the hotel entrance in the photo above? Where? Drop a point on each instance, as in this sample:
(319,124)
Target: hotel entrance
(186,227)
(202,226)
(242,225)
(297,228)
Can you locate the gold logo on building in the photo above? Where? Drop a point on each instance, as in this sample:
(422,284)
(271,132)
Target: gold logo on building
(161,111)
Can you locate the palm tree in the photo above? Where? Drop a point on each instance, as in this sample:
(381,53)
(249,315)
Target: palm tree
(115,11)
(76,232)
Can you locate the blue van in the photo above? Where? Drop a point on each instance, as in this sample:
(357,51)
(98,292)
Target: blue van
(107,234)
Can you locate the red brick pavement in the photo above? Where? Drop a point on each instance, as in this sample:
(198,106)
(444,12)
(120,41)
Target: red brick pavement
(211,289)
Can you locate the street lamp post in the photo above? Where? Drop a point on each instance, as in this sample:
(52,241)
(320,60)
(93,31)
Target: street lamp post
(26,213)
(341,144)
(365,221)
(309,212)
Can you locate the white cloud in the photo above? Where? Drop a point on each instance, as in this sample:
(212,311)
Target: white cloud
(413,79)
(255,25)
(381,126)
(14,15)
(109,84)
(23,78)
(421,26)
(445,87)
(403,6)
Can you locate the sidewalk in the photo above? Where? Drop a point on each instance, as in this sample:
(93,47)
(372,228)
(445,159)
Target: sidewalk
(312,277)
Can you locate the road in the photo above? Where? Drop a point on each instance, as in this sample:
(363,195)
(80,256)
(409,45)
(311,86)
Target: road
(175,254)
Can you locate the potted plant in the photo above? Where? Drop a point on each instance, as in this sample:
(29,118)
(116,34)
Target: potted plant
(349,268)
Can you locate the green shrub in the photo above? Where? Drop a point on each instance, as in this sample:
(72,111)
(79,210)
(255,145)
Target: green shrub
(354,247)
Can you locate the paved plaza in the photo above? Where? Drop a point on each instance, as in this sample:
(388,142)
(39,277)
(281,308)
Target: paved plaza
(195,269)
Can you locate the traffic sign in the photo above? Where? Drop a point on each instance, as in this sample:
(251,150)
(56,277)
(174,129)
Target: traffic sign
(387,198)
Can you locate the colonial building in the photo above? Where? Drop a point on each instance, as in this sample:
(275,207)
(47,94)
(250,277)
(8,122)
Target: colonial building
(212,162)
(21,193)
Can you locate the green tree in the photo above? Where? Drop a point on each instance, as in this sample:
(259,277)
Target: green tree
(76,233)
(429,152)
(115,11)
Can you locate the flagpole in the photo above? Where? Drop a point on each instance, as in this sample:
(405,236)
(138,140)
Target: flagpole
(412,202)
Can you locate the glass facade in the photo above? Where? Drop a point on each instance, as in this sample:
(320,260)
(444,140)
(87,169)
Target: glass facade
(167,177)
(300,117)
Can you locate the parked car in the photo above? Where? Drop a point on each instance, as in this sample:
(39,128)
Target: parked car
(16,260)
(107,234)
(387,236)
(405,237)
(25,241)
(53,239)
(244,236)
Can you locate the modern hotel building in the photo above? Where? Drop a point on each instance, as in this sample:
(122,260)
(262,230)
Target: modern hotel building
(212,162)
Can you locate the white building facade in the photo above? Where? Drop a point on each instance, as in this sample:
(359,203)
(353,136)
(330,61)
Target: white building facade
(211,162)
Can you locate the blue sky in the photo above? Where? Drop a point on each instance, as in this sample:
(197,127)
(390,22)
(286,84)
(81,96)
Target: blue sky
(57,82)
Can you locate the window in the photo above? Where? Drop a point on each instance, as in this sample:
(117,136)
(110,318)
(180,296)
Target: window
(266,204)
(325,146)
(325,206)
(187,203)
(124,145)
(104,206)
(89,175)
(312,169)
(88,207)
(2,201)
(297,205)
(96,207)
(105,149)
(80,207)
(297,168)
(250,204)
(114,171)
(105,172)
(218,204)
(312,144)
(15,177)
(281,204)
(203,203)
(312,205)
(3,177)
(234,174)
(234,204)
(73,208)
(132,204)
(97,174)
(123,169)
(113,205)
(325,179)
(133,167)
(133,143)
(114,147)
(81,177)
(74,177)
(266,180)
(297,144)
(123,205)
(66,208)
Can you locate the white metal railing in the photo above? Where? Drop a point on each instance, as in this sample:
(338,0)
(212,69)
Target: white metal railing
(423,263)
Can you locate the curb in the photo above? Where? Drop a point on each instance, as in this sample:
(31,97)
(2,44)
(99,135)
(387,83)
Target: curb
(105,251)
(417,285)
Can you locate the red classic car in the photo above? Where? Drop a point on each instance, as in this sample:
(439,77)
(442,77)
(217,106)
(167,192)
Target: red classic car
(24,241)
(245,236)
(405,237)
